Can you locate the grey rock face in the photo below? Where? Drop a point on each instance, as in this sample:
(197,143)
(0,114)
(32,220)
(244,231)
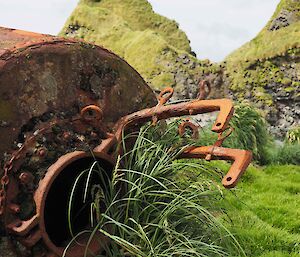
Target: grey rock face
(286,110)
(284,19)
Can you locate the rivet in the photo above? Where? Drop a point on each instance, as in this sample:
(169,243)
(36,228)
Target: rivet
(25,177)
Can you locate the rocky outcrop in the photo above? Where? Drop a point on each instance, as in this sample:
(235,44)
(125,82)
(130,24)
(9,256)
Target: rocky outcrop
(283,19)
(274,87)
(264,71)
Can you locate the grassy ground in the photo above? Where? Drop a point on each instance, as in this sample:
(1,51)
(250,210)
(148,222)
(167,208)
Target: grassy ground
(263,212)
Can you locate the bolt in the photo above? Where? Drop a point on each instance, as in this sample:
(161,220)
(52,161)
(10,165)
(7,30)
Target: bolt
(42,152)
(14,208)
(26,177)
(94,134)
(66,135)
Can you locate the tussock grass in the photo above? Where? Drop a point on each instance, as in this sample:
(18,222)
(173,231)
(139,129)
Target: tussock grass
(285,154)
(150,212)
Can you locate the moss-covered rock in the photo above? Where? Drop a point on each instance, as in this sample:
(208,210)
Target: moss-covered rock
(151,43)
(266,70)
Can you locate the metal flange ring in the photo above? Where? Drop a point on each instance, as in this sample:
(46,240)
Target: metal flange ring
(91,112)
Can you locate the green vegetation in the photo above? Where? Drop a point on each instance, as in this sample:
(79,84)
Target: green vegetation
(249,132)
(263,60)
(293,135)
(170,207)
(288,153)
(177,208)
(132,15)
(264,216)
(149,42)
(285,154)
(156,213)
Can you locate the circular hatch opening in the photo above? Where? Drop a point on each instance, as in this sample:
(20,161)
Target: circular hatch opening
(74,178)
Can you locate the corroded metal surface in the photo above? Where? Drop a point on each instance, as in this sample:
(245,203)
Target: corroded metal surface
(52,74)
(45,82)
(64,103)
(241,160)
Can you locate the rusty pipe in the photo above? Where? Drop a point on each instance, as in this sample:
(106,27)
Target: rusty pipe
(241,160)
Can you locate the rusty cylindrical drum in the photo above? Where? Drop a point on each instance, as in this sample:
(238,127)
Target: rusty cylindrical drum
(58,100)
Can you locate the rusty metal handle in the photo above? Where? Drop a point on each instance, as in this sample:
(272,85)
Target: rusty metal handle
(203,94)
(165,95)
(241,160)
(91,112)
(187,124)
(225,107)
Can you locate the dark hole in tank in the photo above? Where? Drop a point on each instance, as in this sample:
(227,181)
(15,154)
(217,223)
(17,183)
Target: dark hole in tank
(56,205)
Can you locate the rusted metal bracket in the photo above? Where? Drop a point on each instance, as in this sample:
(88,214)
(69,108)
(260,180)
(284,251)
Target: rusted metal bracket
(161,112)
(241,160)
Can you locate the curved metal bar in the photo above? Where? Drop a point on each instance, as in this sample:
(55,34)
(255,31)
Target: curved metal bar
(195,107)
(187,124)
(241,160)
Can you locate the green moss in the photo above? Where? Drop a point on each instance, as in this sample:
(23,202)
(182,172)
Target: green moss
(260,94)
(289,89)
(296,84)
(131,29)
(140,16)
(289,5)
(268,44)
(286,81)
(164,80)
(257,63)
(293,135)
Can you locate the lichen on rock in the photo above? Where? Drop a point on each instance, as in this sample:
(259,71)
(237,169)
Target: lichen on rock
(264,71)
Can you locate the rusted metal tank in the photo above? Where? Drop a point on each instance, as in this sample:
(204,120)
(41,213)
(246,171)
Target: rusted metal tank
(46,80)
(64,103)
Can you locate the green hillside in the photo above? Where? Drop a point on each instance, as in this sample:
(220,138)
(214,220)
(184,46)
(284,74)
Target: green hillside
(266,70)
(151,43)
